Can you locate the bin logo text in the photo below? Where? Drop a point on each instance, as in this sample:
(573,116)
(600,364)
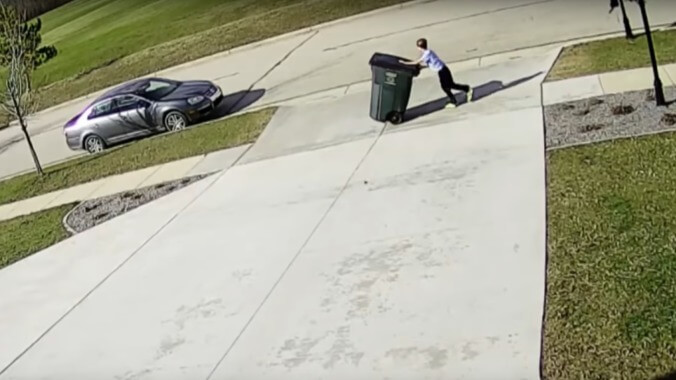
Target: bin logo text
(390,78)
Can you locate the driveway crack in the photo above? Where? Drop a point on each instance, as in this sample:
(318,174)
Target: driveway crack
(271,69)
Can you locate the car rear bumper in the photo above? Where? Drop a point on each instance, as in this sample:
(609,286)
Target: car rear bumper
(74,142)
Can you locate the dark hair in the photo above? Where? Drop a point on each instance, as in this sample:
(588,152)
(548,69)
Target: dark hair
(422,43)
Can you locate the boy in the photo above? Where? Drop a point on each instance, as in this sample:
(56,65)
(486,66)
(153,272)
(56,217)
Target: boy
(430,59)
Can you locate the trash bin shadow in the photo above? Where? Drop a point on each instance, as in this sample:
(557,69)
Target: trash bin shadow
(236,102)
(480,92)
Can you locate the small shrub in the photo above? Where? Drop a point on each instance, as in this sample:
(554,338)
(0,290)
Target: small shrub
(622,110)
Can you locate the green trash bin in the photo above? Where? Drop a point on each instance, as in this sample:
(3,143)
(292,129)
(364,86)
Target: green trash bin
(390,87)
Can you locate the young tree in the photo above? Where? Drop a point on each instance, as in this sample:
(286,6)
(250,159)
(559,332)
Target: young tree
(17,98)
(35,54)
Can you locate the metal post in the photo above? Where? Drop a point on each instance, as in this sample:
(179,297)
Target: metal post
(627,26)
(659,91)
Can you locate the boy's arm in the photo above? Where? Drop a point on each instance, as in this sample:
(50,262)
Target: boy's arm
(412,63)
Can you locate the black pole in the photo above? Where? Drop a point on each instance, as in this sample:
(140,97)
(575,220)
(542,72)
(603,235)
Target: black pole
(627,26)
(659,91)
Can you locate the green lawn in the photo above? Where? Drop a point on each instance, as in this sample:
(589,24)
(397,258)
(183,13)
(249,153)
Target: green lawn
(612,55)
(23,236)
(202,139)
(611,304)
(105,42)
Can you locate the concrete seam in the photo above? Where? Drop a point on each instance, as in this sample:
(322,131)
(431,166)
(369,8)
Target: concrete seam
(598,78)
(298,253)
(236,162)
(277,64)
(544,80)
(109,275)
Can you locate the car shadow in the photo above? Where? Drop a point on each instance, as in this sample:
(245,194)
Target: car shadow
(480,92)
(236,102)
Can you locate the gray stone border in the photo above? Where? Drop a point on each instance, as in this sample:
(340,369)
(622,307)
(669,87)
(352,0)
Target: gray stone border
(145,195)
(607,118)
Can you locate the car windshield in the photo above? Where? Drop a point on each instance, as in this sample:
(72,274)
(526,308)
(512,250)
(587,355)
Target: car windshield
(157,89)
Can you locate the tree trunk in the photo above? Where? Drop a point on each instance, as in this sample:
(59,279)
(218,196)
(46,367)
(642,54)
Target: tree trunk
(36,160)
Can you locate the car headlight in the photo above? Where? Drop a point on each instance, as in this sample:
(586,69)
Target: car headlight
(195,100)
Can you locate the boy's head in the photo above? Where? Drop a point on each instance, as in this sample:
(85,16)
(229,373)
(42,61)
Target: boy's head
(421,44)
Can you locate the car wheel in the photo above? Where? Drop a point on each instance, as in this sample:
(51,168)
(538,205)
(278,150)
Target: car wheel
(94,144)
(175,121)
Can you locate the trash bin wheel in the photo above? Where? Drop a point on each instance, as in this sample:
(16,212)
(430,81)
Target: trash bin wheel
(395,117)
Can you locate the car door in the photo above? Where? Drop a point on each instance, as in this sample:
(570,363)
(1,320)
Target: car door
(134,114)
(103,124)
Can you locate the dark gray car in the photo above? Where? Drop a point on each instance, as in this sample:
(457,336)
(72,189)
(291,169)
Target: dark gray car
(141,108)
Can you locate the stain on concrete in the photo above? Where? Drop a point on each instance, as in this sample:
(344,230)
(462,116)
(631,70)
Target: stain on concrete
(168,345)
(328,350)
(204,309)
(342,350)
(468,352)
(135,375)
(241,275)
(446,171)
(297,351)
(433,357)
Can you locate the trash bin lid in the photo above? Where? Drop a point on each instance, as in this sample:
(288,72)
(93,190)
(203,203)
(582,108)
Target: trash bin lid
(391,62)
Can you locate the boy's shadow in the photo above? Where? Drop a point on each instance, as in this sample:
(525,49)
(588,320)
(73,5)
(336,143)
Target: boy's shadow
(480,92)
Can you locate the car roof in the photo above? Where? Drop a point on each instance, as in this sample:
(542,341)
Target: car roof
(127,88)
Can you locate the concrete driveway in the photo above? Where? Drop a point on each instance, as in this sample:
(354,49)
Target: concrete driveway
(408,252)
(335,56)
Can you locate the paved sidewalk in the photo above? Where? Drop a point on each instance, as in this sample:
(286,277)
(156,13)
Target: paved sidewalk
(590,86)
(188,167)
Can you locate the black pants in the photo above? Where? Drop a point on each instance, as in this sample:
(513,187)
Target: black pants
(447,84)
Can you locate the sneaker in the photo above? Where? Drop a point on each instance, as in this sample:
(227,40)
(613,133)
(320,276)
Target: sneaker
(470,94)
(451,105)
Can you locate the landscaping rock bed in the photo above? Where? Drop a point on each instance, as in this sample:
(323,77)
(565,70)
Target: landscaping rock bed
(608,117)
(96,211)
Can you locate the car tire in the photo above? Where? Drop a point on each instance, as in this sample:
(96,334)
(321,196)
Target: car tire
(94,144)
(175,121)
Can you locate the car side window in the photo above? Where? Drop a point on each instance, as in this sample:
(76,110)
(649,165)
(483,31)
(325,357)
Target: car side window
(103,108)
(130,103)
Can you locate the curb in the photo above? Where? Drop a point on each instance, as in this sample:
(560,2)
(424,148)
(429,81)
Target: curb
(64,221)
(544,80)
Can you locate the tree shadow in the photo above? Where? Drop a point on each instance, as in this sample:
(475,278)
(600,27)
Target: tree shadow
(480,92)
(637,35)
(236,102)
